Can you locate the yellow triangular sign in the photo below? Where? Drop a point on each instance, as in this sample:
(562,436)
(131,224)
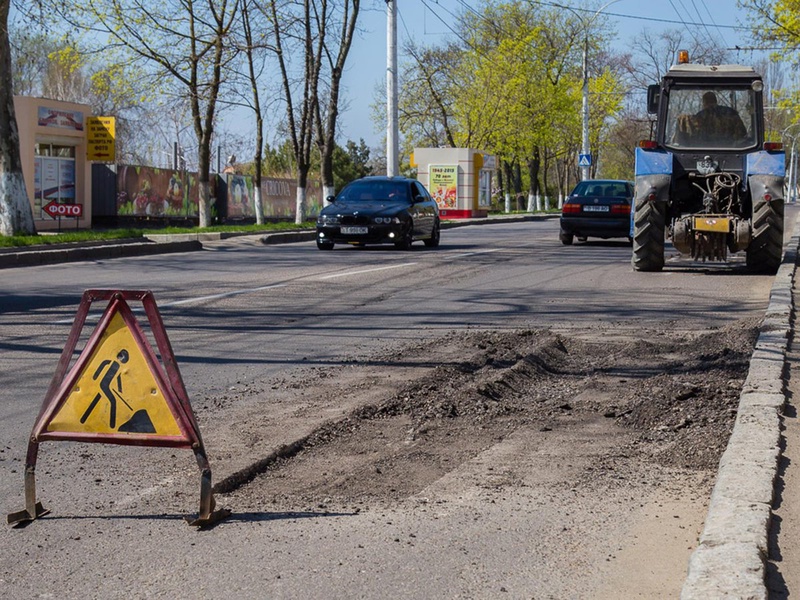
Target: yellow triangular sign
(115,388)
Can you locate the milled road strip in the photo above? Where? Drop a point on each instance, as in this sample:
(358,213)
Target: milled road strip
(262,288)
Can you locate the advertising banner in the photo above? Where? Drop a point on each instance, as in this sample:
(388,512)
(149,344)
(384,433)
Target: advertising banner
(152,192)
(101,139)
(443,185)
(62,119)
(240,196)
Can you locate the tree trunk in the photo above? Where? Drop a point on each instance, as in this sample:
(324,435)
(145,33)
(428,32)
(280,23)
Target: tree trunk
(517,184)
(500,179)
(204,209)
(509,185)
(326,135)
(16,216)
(300,199)
(533,176)
(300,205)
(259,156)
(259,160)
(545,167)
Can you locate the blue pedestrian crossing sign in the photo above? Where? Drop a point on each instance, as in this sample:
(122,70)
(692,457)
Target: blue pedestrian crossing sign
(584,160)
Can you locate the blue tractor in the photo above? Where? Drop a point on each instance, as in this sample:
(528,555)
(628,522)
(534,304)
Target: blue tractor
(708,182)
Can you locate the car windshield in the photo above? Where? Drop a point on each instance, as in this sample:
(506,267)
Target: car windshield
(602,189)
(710,118)
(371,191)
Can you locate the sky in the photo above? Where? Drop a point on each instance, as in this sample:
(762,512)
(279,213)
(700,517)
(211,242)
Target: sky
(427,22)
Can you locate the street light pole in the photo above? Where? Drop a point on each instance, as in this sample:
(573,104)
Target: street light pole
(585,150)
(791,180)
(392,144)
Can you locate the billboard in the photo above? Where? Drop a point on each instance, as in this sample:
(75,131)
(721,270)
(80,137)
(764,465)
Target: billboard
(443,185)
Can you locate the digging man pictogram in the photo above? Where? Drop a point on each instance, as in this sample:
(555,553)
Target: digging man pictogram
(112,373)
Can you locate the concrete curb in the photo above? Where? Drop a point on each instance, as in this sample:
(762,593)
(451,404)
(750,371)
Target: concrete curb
(48,256)
(730,560)
(289,237)
(298,235)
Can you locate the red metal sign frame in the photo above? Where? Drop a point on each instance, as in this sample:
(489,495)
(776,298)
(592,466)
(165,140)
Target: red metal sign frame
(170,383)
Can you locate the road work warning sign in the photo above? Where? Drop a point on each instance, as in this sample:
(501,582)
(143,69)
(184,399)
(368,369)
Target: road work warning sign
(116,390)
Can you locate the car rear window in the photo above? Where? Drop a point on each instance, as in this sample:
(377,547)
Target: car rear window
(602,189)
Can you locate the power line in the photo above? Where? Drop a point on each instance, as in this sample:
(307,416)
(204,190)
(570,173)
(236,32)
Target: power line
(635,17)
(705,26)
(696,39)
(764,48)
(711,16)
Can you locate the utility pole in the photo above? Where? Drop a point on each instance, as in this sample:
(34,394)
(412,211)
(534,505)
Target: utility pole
(392,142)
(585,150)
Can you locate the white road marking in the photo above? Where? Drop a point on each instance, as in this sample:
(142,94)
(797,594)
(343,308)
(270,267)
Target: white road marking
(474,253)
(347,273)
(93,318)
(225,295)
(275,286)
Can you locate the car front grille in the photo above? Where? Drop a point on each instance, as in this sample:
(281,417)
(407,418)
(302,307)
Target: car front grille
(355,220)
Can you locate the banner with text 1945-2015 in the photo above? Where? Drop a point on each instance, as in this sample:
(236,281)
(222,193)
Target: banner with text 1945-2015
(443,185)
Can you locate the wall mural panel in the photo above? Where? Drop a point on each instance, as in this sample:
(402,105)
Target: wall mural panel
(152,192)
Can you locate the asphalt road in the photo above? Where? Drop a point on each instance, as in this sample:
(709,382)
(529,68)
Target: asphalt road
(238,312)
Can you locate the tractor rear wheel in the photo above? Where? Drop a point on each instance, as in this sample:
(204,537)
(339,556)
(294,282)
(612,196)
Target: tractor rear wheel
(766,246)
(649,220)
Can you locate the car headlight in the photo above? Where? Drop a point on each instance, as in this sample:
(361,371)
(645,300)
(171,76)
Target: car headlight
(328,220)
(386,220)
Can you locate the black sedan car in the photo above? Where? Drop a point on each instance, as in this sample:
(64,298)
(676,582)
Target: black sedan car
(379,210)
(597,208)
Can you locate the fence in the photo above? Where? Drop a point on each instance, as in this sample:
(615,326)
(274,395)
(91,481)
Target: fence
(131,194)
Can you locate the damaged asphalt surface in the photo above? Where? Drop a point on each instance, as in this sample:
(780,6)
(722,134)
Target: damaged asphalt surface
(536,462)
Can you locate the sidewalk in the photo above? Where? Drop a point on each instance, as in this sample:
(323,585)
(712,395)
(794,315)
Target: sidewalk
(783,566)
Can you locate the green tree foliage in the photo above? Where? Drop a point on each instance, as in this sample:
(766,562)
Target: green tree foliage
(55,67)
(511,85)
(778,22)
(279,161)
(350,163)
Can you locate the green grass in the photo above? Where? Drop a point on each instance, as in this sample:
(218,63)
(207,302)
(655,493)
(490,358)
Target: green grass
(65,238)
(115,234)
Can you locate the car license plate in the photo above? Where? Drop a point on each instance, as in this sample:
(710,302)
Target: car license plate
(355,230)
(595,208)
